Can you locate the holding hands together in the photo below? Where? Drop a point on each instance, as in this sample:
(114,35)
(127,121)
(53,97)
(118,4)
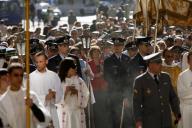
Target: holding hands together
(72,90)
(50,95)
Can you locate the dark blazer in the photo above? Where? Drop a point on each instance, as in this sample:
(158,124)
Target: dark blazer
(116,72)
(152,102)
(54,62)
(140,64)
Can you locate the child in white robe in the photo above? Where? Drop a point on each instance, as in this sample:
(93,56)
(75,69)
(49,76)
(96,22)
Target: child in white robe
(76,95)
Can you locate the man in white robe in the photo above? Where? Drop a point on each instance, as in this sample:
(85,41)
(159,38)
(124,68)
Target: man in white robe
(184,89)
(13,103)
(47,85)
(3,81)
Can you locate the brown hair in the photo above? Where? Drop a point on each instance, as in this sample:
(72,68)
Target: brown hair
(92,49)
(41,54)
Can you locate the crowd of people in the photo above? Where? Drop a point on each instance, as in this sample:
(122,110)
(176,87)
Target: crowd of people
(104,75)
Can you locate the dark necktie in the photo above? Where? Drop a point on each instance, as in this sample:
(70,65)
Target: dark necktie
(119,59)
(156,79)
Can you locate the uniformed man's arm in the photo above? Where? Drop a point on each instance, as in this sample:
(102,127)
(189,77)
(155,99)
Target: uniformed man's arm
(138,100)
(174,101)
(106,69)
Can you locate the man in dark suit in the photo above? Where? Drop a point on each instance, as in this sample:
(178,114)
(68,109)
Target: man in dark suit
(154,97)
(116,73)
(63,49)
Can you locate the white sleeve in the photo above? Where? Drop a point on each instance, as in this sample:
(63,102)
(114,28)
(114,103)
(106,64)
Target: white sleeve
(183,91)
(184,62)
(37,102)
(3,116)
(58,89)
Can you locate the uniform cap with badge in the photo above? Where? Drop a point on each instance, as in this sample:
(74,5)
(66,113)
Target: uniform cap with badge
(118,41)
(35,46)
(10,52)
(131,46)
(51,44)
(142,40)
(153,58)
(63,40)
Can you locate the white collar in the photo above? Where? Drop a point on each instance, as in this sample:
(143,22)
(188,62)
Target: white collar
(118,56)
(152,75)
(42,72)
(62,56)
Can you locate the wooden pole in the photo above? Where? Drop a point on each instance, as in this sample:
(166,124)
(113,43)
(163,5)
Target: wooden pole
(156,24)
(27,36)
(135,27)
(147,18)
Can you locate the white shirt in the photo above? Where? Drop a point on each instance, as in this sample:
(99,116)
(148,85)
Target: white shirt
(185,64)
(153,75)
(184,90)
(184,85)
(19,107)
(41,82)
(13,112)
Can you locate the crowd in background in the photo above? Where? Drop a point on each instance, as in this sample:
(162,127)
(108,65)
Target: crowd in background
(74,62)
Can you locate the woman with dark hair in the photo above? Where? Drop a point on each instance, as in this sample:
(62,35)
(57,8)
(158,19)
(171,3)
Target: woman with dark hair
(76,59)
(76,95)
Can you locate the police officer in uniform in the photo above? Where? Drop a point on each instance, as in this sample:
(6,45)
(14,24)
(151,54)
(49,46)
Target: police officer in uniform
(143,44)
(51,48)
(116,73)
(131,49)
(154,97)
(63,49)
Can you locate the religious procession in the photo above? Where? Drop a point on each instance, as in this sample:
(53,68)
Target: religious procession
(131,67)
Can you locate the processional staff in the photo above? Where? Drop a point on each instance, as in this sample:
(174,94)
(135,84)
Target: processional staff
(156,25)
(27,36)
